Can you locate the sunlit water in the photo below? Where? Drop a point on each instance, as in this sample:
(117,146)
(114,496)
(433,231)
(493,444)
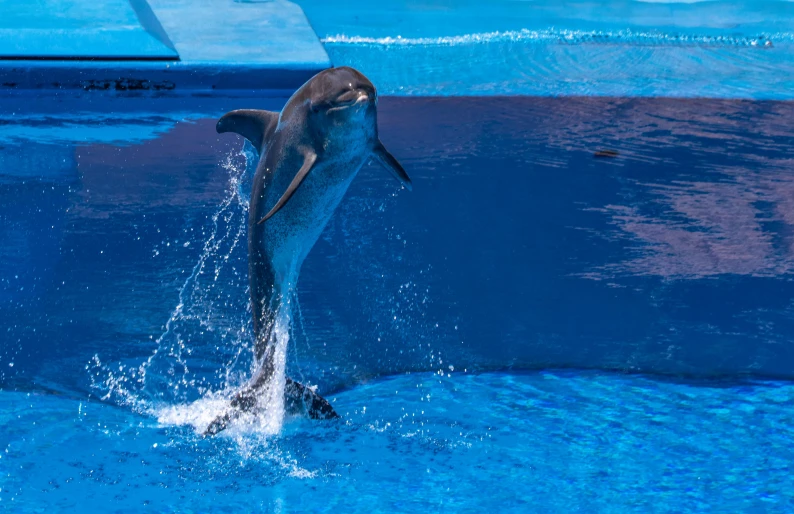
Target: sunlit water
(540,442)
(124,311)
(715,49)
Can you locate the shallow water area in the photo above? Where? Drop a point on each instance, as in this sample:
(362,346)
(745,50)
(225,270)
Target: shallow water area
(556,441)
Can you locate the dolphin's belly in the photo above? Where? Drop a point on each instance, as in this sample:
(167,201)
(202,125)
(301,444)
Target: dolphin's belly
(291,233)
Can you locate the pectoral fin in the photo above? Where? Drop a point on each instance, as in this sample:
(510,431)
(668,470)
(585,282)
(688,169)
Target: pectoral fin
(390,163)
(309,159)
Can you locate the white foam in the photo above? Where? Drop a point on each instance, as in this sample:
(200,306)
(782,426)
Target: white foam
(268,416)
(198,414)
(564,37)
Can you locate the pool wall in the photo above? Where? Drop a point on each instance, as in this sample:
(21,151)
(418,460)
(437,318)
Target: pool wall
(159,46)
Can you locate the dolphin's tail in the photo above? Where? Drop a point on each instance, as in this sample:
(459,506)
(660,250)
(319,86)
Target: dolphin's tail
(298,399)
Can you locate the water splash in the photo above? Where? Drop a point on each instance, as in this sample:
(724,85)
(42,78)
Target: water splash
(204,354)
(649,38)
(266,419)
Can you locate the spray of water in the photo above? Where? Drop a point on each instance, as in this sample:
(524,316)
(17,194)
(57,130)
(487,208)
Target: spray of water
(203,356)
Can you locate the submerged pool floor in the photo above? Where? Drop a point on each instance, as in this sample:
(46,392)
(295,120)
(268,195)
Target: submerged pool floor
(536,442)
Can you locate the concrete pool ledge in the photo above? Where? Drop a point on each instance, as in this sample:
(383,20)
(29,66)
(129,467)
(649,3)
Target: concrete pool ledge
(175,46)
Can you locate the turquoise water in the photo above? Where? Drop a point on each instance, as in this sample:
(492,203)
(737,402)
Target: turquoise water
(554,441)
(711,49)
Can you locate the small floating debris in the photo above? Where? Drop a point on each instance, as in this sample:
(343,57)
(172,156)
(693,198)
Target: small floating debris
(611,154)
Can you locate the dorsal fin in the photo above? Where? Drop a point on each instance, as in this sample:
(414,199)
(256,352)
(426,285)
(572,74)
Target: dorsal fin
(254,125)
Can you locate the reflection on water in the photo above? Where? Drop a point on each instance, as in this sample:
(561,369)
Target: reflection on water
(517,247)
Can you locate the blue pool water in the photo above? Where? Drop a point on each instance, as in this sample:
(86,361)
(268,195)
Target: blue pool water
(531,329)
(538,442)
(669,48)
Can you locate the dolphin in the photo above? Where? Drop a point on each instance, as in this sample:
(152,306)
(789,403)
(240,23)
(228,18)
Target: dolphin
(309,155)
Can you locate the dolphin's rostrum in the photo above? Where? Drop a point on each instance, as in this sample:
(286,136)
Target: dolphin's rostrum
(309,154)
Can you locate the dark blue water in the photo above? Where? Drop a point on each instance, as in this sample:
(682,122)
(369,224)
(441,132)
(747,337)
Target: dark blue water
(517,251)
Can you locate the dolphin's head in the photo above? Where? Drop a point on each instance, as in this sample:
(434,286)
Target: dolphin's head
(336,108)
(339,96)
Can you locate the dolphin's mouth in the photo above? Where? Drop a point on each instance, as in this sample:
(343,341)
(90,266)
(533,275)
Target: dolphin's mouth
(356,98)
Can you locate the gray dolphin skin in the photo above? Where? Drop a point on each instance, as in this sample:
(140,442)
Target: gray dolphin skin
(309,155)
